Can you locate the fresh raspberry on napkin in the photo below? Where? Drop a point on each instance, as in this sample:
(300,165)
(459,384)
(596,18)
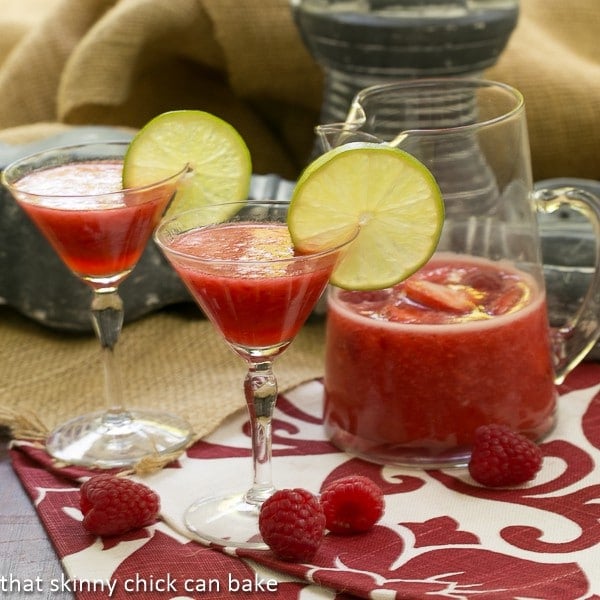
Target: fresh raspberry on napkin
(113,505)
(501,457)
(352,504)
(292,524)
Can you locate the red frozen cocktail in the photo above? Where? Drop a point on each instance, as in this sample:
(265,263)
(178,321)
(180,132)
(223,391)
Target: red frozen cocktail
(97,232)
(413,370)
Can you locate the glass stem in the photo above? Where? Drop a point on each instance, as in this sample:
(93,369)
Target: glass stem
(107,318)
(260,387)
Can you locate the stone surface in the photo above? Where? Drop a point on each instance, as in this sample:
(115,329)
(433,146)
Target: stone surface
(359,43)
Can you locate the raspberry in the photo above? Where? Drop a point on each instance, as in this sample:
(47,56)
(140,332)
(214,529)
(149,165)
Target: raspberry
(113,505)
(352,504)
(501,457)
(292,524)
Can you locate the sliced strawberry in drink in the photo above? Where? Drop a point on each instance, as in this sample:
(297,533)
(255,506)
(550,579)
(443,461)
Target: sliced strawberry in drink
(438,296)
(511,299)
(411,313)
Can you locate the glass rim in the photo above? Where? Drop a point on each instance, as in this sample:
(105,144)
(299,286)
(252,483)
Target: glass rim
(453,84)
(12,183)
(168,221)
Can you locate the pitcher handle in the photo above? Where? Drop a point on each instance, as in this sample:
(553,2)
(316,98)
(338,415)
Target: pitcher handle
(573,339)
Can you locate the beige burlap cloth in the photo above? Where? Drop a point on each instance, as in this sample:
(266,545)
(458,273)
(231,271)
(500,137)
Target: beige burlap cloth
(171,360)
(120,62)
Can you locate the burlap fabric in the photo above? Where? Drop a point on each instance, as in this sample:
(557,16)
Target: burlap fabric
(120,62)
(172,360)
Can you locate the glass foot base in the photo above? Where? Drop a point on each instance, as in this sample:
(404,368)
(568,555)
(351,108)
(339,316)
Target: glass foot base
(421,454)
(109,440)
(227,521)
(400,455)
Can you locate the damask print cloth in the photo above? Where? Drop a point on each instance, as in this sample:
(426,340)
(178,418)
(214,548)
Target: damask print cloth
(442,535)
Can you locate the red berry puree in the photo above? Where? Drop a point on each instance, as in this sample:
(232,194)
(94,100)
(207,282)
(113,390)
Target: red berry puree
(412,371)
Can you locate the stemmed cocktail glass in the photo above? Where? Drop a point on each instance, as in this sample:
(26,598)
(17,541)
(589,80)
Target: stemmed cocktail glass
(239,264)
(74,195)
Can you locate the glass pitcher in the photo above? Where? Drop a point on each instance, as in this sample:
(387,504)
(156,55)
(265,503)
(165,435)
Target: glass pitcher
(412,371)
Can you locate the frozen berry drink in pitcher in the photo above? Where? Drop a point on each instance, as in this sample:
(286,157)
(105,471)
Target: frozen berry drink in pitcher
(413,370)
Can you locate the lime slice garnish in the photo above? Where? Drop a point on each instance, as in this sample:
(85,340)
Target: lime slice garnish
(219,160)
(387,193)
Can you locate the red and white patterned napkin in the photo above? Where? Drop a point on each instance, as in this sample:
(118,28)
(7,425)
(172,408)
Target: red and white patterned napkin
(442,535)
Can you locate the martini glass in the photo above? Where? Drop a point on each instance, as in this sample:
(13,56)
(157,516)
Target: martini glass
(74,196)
(239,264)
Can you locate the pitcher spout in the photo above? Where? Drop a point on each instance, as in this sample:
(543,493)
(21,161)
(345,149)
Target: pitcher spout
(331,135)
